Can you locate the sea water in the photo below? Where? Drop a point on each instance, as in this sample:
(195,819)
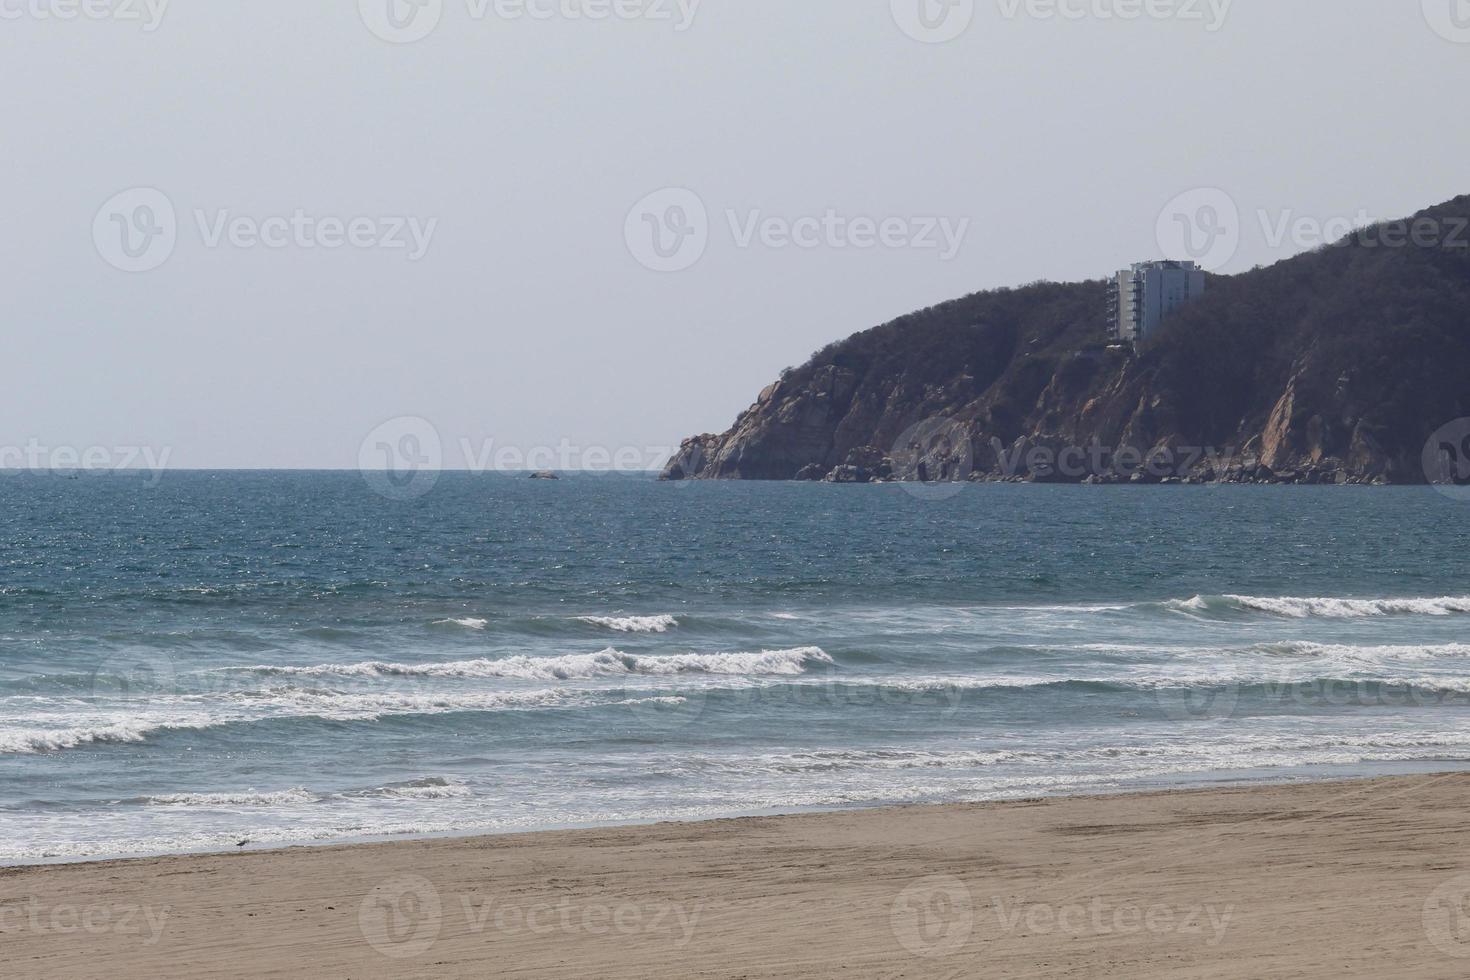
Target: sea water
(276,658)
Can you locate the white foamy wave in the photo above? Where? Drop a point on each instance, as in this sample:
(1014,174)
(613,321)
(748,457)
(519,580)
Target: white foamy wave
(1365,654)
(288,797)
(469,622)
(868,759)
(27,741)
(1328,608)
(607,663)
(430,788)
(632,624)
(246,707)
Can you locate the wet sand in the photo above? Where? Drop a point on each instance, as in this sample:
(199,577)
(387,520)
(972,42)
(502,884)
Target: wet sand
(1368,878)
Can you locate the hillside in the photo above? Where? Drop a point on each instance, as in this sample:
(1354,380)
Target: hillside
(1332,366)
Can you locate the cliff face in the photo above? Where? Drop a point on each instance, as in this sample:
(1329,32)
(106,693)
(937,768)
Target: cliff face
(1333,366)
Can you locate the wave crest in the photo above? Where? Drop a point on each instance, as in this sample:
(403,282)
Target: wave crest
(607,663)
(1327,608)
(632,624)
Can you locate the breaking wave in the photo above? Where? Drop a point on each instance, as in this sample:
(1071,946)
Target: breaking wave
(607,663)
(632,624)
(468,622)
(288,797)
(1329,608)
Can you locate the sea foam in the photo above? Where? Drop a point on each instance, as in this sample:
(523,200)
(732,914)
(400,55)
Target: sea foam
(606,663)
(1328,608)
(632,624)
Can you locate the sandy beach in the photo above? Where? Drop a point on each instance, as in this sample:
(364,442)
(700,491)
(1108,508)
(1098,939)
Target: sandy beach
(1308,880)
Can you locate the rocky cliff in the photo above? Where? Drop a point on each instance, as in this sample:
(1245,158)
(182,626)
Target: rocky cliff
(1332,366)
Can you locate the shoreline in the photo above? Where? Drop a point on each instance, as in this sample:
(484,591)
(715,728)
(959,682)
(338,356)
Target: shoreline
(1223,779)
(1305,878)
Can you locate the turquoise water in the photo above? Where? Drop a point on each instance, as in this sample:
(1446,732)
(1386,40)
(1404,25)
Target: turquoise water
(291,658)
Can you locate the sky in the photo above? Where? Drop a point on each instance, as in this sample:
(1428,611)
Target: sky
(573,232)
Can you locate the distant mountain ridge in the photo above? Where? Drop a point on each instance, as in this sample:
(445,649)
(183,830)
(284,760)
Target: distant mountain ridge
(1332,366)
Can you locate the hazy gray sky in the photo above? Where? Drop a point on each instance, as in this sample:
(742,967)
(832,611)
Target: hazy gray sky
(1045,140)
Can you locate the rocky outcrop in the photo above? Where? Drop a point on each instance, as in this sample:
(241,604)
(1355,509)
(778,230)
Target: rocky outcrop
(1331,367)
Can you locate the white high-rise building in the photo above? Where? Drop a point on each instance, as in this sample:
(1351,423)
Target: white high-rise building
(1147,293)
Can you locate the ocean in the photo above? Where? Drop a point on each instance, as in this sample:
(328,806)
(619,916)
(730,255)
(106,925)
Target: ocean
(281,658)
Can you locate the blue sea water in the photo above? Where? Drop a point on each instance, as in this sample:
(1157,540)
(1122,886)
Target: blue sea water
(290,657)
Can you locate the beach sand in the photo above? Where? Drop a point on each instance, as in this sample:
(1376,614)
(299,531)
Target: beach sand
(1367,878)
